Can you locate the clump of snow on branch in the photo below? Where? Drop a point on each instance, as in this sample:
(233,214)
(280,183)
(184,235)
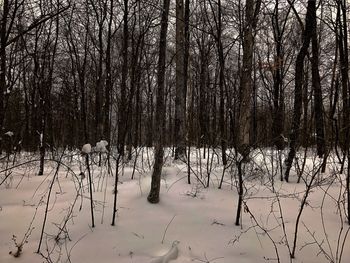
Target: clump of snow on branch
(9,133)
(101,146)
(86,148)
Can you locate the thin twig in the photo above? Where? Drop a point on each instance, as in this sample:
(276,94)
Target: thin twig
(166,229)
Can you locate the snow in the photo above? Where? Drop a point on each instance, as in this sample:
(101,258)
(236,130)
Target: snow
(86,148)
(41,139)
(101,146)
(170,255)
(9,133)
(196,224)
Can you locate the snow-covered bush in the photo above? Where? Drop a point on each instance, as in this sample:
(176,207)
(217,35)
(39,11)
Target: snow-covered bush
(101,146)
(86,149)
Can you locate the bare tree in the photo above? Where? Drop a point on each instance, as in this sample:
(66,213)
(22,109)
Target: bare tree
(299,71)
(3,86)
(180,100)
(122,113)
(316,84)
(252,9)
(153,196)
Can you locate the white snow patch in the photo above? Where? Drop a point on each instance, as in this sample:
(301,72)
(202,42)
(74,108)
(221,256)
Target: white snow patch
(86,148)
(204,222)
(170,255)
(9,133)
(101,146)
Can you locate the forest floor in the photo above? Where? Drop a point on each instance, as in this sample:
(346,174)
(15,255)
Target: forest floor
(201,218)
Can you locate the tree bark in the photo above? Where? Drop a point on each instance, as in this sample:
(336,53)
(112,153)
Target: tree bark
(109,84)
(251,11)
(344,69)
(153,196)
(3,87)
(316,84)
(123,88)
(122,118)
(45,90)
(278,100)
(222,122)
(299,71)
(180,100)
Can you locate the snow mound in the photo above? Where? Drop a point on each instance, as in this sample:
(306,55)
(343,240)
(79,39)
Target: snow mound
(170,255)
(86,148)
(101,146)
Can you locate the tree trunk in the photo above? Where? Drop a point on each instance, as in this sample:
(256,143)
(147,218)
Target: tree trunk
(203,107)
(45,91)
(316,84)
(220,50)
(344,68)
(180,100)
(3,87)
(122,108)
(278,100)
(222,122)
(299,71)
(252,9)
(109,84)
(99,88)
(344,64)
(153,196)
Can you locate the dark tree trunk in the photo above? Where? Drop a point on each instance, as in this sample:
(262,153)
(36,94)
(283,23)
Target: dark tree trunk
(109,84)
(42,135)
(203,109)
(220,50)
(3,87)
(251,11)
(131,127)
(344,64)
(344,69)
(150,110)
(223,139)
(305,102)
(299,71)
(316,84)
(153,196)
(122,116)
(278,98)
(180,100)
(138,106)
(82,79)
(45,90)
(123,88)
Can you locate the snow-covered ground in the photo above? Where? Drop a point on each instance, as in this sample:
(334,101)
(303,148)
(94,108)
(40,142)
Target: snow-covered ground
(192,223)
